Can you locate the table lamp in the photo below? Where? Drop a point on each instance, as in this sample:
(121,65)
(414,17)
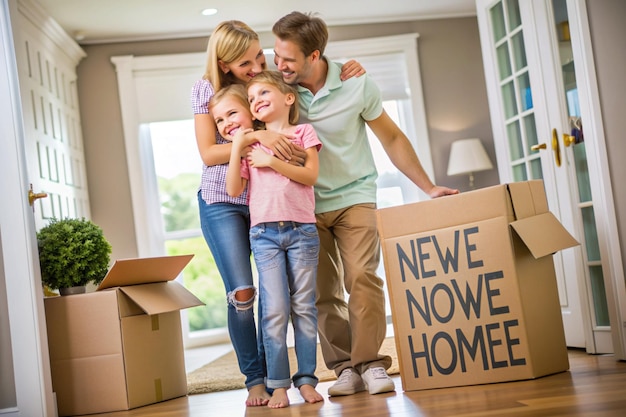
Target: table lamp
(468,156)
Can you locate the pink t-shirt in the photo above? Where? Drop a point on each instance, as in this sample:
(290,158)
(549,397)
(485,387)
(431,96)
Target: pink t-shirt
(274,197)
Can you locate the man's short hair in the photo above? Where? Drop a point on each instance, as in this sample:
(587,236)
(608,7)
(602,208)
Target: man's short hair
(306,30)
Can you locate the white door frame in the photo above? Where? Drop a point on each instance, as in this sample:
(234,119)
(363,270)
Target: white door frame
(19,265)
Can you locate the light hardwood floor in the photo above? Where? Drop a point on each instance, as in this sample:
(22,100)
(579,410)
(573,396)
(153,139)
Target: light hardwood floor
(594,386)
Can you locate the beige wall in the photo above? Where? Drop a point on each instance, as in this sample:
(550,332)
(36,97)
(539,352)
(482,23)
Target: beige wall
(608,35)
(454,95)
(105,153)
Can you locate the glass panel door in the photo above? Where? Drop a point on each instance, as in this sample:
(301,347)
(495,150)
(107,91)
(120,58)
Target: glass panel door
(574,148)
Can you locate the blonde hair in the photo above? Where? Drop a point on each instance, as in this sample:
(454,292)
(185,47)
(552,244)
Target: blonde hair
(237,92)
(275,78)
(229,41)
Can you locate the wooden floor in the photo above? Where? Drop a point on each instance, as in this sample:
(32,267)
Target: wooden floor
(594,386)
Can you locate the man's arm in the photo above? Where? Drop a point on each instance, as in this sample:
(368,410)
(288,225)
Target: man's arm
(403,156)
(282,147)
(306,174)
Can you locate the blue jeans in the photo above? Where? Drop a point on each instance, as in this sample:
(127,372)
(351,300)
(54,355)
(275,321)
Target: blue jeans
(286,256)
(225,228)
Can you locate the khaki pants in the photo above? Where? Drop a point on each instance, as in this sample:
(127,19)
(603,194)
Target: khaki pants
(351,333)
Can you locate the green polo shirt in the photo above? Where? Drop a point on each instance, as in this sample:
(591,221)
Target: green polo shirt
(347,173)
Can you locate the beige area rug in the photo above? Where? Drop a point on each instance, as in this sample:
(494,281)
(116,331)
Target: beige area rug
(223,373)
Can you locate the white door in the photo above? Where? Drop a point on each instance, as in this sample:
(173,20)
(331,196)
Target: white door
(537,106)
(46,61)
(31,391)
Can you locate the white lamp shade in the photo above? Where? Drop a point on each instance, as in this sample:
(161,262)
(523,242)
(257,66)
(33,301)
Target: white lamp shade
(467,156)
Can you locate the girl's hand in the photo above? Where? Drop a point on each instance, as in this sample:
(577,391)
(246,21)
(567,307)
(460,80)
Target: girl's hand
(258,158)
(240,138)
(240,135)
(241,142)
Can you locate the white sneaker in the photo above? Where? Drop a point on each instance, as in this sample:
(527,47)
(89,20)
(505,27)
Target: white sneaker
(377,381)
(348,383)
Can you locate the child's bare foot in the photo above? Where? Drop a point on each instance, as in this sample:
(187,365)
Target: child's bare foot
(257,395)
(279,398)
(309,394)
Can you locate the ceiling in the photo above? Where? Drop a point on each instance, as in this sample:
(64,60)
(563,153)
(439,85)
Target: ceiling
(106,21)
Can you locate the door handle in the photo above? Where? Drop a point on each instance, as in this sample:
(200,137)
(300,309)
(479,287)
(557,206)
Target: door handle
(568,140)
(32,196)
(556,148)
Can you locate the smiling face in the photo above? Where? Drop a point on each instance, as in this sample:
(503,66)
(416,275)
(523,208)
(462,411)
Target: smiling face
(268,103)
(231,113)
(272,100)
(248,65)
(294,66)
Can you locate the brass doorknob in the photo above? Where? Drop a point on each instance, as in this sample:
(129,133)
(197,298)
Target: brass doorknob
(538,147)
(568,139)
(32,196)
(556,148)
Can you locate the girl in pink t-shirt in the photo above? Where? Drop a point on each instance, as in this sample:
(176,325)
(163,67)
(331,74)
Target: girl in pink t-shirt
(283,235)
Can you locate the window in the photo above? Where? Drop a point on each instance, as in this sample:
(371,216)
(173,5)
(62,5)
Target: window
(178,168)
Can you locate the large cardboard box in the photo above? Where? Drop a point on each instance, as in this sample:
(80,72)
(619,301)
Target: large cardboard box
(472,286)
(120,347)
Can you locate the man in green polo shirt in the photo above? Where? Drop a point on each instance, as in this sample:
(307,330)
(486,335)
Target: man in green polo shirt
(351,333)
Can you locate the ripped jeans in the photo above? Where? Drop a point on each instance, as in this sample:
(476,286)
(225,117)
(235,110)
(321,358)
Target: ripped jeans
(225,228)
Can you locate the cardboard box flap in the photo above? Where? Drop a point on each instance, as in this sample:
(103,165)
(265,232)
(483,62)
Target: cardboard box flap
(543,234)
(161,297)
(144,270)
(528,198)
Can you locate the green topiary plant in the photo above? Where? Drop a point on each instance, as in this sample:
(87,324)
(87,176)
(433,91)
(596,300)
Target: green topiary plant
(72,253)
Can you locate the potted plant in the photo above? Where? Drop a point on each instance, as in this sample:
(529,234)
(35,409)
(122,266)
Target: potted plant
(72,254)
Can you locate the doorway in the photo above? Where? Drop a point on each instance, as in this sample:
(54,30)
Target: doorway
(541,91)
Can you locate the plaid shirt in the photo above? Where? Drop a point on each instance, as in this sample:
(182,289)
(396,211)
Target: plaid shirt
(213,182)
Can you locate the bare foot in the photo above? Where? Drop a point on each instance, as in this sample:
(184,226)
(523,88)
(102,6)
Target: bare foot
(309,394)
(279,398)
(257,395)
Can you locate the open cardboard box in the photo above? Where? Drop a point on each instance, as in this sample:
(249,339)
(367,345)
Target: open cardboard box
(472,286)
(120,347)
